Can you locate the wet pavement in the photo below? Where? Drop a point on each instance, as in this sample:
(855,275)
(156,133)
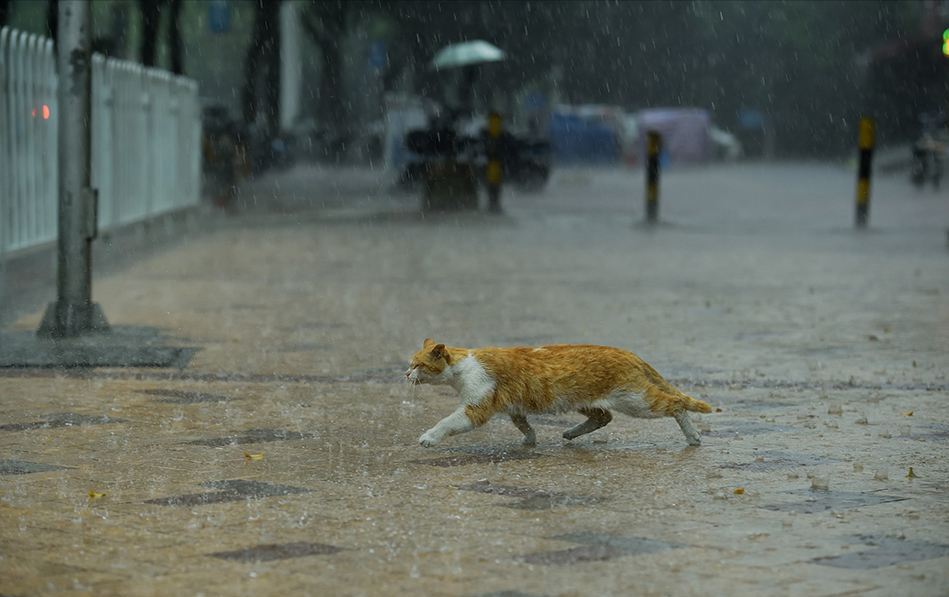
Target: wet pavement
(280,456)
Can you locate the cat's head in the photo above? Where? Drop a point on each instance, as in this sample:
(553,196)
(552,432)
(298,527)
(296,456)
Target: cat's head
(430,364)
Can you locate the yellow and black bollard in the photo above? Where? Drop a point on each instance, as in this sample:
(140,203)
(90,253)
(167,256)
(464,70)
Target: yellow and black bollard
(494,172)
(653,149)
(865,142)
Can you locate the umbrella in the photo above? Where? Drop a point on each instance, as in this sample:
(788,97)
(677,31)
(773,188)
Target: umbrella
(466,54)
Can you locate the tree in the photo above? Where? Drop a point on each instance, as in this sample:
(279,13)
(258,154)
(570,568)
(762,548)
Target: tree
(261,93)
(4,12)
(151,11)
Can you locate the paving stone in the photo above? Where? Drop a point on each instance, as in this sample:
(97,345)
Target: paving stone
(22,467)
(253,436)
(822,501)
(886,551)
(742,428)
(476,458)
(305,347)
(550,421)
(936,433)
(631,544)
(172,396)
(277,551)
(507,594)
(124,346)
(61,420)
(774,460)
(574,555)
(531,499)
(596,547)
(229,491)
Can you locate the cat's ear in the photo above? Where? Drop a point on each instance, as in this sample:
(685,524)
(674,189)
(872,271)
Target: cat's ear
(427,342)
(440,352)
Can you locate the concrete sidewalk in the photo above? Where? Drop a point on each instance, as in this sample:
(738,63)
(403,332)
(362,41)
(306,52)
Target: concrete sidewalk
(282,458)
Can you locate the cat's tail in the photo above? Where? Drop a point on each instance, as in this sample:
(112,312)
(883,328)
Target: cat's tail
(668,401)
(689,403)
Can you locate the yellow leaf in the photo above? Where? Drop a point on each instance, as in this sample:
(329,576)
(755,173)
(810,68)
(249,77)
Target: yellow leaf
(739,491)
(248,456)
(94,495)
(908,413)
(911,474)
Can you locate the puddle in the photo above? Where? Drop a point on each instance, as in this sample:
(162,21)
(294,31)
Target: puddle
(229,491)
(304,347)
(477,458)
(822,501)
(596,548)
(531,499)
(773,460)
(22,467)
(886,551)
(549,421)
(743,428)
(185,396)
(61,420)
(508,594)
(252,436)
(277,551)
(574,555)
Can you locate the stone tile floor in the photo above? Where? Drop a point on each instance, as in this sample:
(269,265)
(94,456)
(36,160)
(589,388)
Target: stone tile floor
(282,459)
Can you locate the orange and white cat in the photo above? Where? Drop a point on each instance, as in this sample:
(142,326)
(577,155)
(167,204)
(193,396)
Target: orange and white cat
(592,380)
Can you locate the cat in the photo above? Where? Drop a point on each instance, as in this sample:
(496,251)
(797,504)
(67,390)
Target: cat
(519,381)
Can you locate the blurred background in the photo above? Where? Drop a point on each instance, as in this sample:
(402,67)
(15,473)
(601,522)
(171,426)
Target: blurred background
(339,81)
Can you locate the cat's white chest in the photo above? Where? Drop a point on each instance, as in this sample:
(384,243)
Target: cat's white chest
(472,380)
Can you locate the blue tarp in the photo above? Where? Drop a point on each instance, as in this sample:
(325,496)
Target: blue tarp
(574,139)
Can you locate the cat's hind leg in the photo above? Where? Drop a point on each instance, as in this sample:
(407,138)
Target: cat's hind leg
(520,421)
(596,418)
(685,424)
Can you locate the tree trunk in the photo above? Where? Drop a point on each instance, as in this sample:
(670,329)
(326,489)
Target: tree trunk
(4,12)
(151,20)
(261,67)
(174,38)
(52,19)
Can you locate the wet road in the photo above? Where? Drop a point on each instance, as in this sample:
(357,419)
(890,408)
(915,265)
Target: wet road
(281,459)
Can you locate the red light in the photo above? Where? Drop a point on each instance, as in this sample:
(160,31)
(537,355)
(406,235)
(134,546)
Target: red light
(45,112)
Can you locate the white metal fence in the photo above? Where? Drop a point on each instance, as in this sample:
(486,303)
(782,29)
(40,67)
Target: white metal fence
(146,141)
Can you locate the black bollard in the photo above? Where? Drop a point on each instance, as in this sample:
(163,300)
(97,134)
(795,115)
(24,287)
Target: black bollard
(653,149)
(494,172)
(865,142)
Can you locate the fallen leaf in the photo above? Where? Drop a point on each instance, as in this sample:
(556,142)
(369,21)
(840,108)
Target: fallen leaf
(908,413)
(248,456)
(739,491)
(94,495)
(911,474)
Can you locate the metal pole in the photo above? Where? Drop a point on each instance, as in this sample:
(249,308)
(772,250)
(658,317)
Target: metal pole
(865,143)
(74,313)
(653,149)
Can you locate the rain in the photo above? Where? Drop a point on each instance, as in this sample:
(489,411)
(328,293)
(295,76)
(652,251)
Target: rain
(482,298)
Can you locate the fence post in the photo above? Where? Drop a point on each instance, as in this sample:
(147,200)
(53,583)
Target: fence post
(865,142)
(74,313)
(653,149)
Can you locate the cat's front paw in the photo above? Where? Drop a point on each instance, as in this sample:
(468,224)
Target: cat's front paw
(427,440)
